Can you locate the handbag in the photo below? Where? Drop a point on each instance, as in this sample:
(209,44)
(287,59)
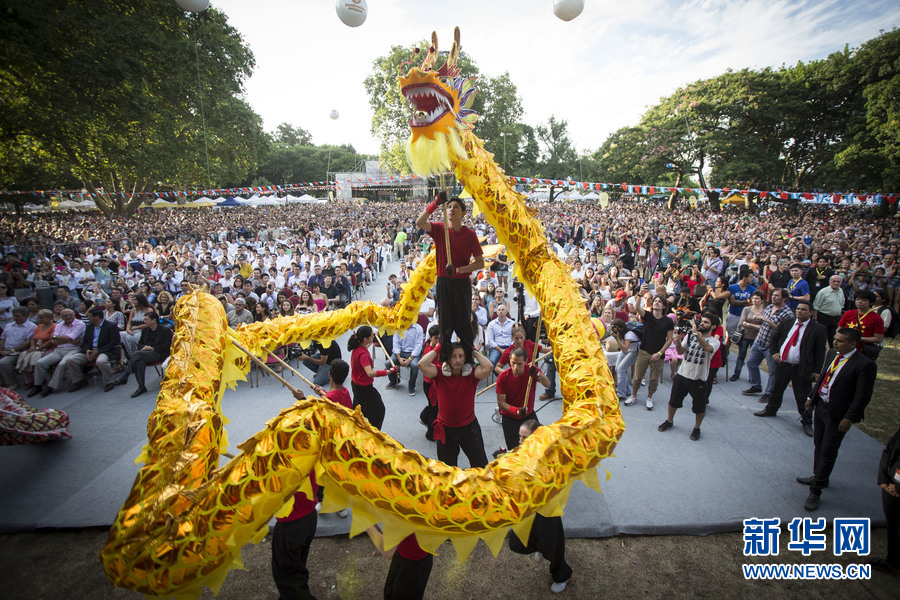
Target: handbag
(737,335)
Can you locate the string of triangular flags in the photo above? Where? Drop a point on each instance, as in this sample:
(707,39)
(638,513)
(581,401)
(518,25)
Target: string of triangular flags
(366,181)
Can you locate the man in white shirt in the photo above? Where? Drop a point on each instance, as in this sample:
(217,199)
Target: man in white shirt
(498,336)
(693,372)
(798,349)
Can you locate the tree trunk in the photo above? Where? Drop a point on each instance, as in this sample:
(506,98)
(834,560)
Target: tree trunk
(714,201)
(674,194)
(753,202)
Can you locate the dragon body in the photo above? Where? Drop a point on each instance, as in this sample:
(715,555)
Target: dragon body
(186,518)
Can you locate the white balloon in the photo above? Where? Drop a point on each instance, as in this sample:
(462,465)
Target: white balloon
(193,5)
(334,114)
(352,13)
(567,9)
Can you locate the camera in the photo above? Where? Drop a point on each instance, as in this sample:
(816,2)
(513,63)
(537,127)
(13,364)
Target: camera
(518,285)
(683,324)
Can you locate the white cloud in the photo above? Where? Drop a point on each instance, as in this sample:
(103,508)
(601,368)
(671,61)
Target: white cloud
(599,71)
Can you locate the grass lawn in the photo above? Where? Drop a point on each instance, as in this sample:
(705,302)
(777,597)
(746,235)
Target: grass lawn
(883,412)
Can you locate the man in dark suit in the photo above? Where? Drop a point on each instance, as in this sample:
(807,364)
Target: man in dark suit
(839,396)
(154,347)
(798,348)
(100,345)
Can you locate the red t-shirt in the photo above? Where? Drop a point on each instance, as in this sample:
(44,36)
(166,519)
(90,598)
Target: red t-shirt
(463,246)
(456,398)
(409,548)
(716,361)
(358,361)
(529,349)
(303,505)
(341,396)
(514,389)
(869,325)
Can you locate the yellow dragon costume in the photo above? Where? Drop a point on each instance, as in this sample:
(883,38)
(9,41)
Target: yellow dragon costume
(186,519)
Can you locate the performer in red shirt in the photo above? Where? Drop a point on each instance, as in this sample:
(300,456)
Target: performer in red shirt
(337,393)
(454,385)
(363,374)
(453,292)
(511,394)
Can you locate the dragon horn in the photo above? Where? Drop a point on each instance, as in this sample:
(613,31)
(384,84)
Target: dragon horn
(431,57)
(454,49)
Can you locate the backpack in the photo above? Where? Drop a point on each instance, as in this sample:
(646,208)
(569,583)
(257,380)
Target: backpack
(894,328)
(635,328)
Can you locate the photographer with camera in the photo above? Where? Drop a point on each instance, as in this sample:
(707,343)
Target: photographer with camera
(698,348)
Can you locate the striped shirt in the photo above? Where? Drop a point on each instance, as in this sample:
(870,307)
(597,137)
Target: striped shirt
(772,314)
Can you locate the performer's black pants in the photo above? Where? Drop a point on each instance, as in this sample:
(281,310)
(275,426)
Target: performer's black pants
(368,398)
(454,306)
(290,549)
(407,579)
(469,439)
(547,537)
(511,429)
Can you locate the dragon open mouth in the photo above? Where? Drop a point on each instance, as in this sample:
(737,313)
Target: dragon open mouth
(429,103)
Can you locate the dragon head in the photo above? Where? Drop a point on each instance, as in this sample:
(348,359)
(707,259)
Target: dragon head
(442,106)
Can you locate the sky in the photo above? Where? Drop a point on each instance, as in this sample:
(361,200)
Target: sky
(599,72)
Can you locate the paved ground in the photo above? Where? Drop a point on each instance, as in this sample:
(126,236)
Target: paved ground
(661,483)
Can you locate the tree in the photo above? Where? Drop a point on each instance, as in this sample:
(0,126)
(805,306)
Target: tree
(303,164)
(501,111)
(110,90)
(287,135)
(558,158)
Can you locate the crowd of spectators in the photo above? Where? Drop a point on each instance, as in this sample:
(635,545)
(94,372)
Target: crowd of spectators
(284,261)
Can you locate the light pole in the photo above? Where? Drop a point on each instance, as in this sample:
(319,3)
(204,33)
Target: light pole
(503,135)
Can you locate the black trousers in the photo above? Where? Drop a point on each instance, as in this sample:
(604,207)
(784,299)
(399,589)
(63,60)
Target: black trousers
(697,388)
(827,440)
(290,549)
(369,401)
(407,579)
(891,507)
(511,429)
(138,362)
(454,307)
(549,538)
(469,439)
(831,325)
(786,373)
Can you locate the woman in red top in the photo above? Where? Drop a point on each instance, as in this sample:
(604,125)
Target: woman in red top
(363,374)
(716,362)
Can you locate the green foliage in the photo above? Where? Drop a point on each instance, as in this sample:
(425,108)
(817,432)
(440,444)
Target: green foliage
(558,157)
(288,135)
(110,90)
(302,164)
(832,124)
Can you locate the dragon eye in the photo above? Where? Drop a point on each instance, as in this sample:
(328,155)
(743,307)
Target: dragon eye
(446,80)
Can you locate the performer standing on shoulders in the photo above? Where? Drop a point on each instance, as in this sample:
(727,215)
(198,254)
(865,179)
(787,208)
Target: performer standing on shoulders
(454,385)
(454,284)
